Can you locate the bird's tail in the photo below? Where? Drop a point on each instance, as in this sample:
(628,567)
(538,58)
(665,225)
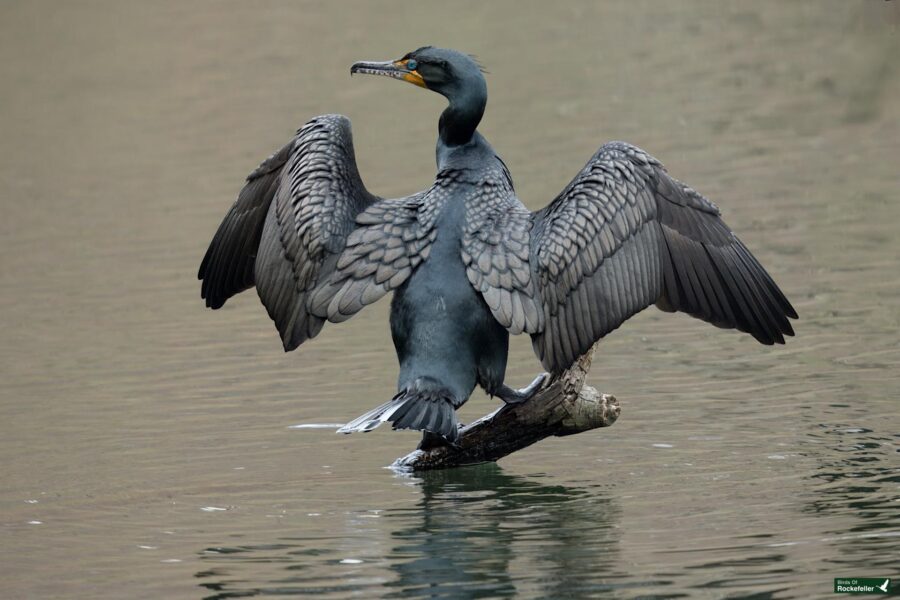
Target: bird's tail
(421,405)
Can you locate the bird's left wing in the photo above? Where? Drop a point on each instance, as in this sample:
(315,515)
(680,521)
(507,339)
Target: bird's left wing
(391,239)
(329,247)
(315,243)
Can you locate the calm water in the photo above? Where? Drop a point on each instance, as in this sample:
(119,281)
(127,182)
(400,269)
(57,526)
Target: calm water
(146,442)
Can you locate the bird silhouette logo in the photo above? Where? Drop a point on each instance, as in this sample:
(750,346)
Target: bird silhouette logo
(883,587)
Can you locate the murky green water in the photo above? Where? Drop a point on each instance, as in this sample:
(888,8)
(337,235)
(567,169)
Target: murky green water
(145,441)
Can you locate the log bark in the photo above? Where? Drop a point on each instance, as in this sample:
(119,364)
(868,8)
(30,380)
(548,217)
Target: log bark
(565,406)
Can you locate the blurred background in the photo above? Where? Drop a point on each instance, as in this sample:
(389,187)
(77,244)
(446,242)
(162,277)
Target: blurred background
(146,441)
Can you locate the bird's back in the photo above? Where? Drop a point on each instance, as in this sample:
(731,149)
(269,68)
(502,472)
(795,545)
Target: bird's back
(441,326)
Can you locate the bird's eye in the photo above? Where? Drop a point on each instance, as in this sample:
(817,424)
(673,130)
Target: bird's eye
(411,64)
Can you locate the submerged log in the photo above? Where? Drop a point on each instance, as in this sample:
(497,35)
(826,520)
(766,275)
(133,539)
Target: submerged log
(565,406)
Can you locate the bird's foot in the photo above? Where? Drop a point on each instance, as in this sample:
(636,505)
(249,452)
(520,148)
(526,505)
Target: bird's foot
(511,396)
(431,440)
(435,440)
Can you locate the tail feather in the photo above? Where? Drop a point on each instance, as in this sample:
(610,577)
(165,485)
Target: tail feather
(372,419)
(429,410)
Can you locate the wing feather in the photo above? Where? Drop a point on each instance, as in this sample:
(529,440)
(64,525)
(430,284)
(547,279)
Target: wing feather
(315,243)
(495,250)
(227,266)
(623,235)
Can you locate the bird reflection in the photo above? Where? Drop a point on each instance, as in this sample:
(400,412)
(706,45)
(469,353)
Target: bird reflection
(474,532)
(478,530)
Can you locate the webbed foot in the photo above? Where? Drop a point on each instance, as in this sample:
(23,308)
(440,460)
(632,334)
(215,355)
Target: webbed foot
(511,396)
(435,440)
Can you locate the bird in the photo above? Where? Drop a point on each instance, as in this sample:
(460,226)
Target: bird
(468,264)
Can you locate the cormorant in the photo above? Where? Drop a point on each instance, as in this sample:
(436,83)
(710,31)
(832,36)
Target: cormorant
(468,263)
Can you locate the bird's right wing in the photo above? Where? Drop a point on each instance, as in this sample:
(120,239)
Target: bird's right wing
(624,235)
(326,246)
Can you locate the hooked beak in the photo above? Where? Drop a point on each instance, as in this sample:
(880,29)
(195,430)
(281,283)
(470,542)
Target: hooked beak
(389,68)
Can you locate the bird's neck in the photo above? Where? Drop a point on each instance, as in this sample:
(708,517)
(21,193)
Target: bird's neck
(460,119)
(474,157)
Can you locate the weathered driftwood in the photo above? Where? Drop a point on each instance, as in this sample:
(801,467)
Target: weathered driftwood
(564,407)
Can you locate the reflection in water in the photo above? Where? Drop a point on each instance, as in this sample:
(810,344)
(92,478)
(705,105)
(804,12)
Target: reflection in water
(472,524)
(476,532)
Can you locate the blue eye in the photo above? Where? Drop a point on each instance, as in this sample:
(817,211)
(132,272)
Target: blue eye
(411,64)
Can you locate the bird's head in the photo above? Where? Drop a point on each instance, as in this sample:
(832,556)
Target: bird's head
(448,72)
(454,75)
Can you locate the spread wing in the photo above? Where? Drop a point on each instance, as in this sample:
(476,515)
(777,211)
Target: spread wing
(302,232)
(624,235)
(227,267)
(391,239)
(496,251)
